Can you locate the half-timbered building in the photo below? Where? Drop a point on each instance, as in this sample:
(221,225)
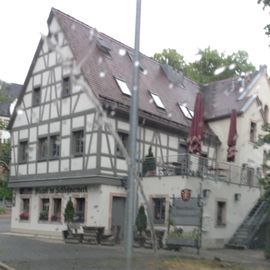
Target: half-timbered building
(61,149)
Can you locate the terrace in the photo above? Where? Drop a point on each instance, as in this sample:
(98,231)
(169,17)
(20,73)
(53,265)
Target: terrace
(202,167)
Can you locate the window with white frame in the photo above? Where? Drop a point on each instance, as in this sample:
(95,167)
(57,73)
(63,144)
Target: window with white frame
(157,101)
(124,138)
(54,146)
(78,142)
(123,87)
(42,148)
(36,96)
(23,151)
(186,111)
(66,87)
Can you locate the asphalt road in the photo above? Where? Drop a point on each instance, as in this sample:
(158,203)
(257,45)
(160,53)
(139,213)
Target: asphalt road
(4,225)
(25,253)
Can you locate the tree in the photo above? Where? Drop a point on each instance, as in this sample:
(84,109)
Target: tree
(265,3)
(265,182)
(69,211)
(141,220)
(5,191)
(214,66)
(172,58)
(5,152)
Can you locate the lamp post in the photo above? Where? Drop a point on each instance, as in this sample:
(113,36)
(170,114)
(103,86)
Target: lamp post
(133,121)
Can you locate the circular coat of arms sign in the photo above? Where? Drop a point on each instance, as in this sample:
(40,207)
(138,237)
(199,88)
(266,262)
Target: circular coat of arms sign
(186,194)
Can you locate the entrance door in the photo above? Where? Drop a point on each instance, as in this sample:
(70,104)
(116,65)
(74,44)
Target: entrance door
(118,217)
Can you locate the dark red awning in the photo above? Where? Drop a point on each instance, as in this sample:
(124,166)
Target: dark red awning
(232,137)
(196,130)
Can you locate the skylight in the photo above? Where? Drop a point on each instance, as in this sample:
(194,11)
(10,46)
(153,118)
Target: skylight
(157,101)
(131,56)
(123,87)
(186,111)
(103,46)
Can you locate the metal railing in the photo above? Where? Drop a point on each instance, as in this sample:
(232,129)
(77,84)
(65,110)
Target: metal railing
(202,167)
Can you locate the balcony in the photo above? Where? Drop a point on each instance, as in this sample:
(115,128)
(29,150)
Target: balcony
(206,168)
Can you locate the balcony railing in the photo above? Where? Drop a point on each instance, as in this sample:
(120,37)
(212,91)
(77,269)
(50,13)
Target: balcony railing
(197,166)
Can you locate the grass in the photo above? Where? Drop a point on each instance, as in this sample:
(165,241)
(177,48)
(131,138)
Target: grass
(2,211)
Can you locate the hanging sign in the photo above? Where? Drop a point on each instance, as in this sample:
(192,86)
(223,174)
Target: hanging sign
(186,194)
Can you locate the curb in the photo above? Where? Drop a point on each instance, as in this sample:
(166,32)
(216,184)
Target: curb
(5,267)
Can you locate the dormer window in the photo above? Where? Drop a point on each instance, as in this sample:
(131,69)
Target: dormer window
(66,87)
(131,56)
(123,87)
(186,111)
(104,46)
(158,101)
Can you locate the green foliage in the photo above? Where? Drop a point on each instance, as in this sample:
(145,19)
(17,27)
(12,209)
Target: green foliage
(2,211)
(5,152)
(172,58)
(141,220)
(205,69)
(4,92)
(69,211)
(149,163)
(179,233)
(267,239)
(5,191)
(265,3)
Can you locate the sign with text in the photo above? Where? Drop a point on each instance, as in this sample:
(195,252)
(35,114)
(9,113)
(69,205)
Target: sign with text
(62,189)
(186,213)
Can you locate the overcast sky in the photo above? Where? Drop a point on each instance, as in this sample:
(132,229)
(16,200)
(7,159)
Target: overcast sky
(184,25)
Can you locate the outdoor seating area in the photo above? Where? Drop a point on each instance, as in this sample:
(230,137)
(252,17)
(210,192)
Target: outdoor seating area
(91,235)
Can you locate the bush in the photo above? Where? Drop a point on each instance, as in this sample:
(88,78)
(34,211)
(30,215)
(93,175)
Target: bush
(2,211)
(141,220)
(69,211)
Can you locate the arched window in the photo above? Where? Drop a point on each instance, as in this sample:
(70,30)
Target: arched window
(266,113)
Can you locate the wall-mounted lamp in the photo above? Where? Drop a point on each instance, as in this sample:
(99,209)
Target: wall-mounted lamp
(237,196)
(206,193)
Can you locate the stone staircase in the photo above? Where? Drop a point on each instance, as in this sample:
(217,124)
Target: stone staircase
(246,232)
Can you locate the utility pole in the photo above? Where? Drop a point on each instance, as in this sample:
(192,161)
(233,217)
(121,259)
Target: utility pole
(133,123)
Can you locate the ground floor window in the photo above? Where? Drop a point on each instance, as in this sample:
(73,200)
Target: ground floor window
(25,207)
(44,209)
(159,210)
(57,210)
(221,213)
(79,210)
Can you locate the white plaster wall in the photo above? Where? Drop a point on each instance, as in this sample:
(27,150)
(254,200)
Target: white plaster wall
(84,103)
(78,122)
(235,211)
